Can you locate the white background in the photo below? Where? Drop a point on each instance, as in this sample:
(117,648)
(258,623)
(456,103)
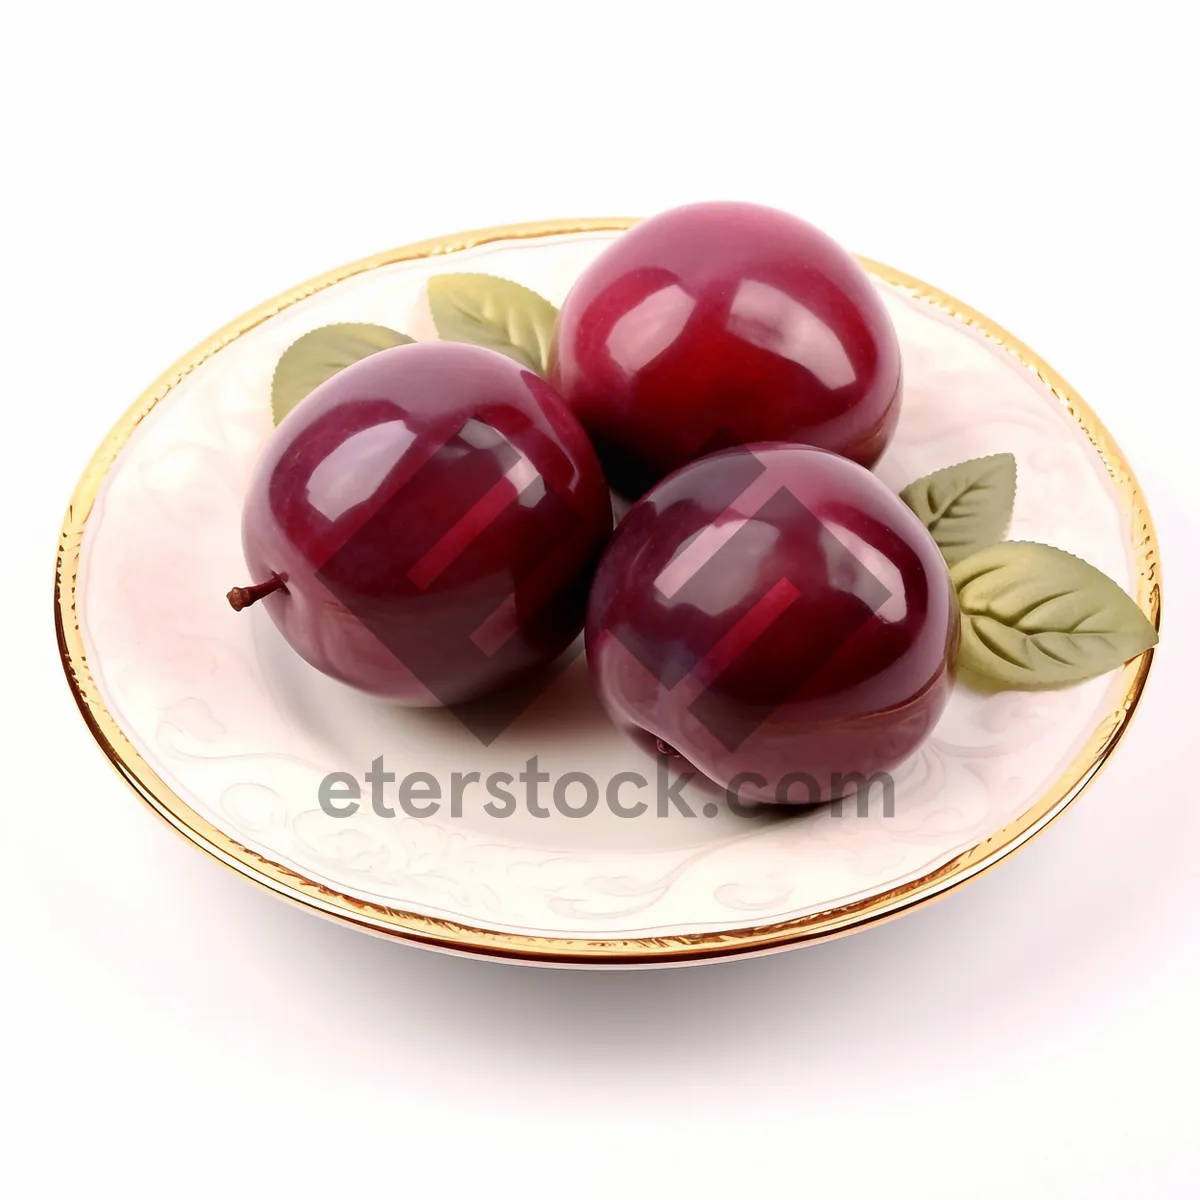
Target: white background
(167,1030)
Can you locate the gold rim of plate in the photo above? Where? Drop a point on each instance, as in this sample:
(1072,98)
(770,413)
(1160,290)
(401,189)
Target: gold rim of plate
(681,947)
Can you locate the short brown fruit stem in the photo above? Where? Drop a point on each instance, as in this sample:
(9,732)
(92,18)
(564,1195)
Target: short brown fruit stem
(243,597)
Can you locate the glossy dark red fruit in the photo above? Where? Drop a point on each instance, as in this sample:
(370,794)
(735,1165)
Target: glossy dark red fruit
(775,613)
(435,514)
(721,324)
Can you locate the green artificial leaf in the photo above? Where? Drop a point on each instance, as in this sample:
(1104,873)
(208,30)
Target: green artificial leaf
(1034,616)
(320,355)
(968,506)
(497,313)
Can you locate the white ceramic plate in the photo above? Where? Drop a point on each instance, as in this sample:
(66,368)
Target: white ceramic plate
(227,733)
